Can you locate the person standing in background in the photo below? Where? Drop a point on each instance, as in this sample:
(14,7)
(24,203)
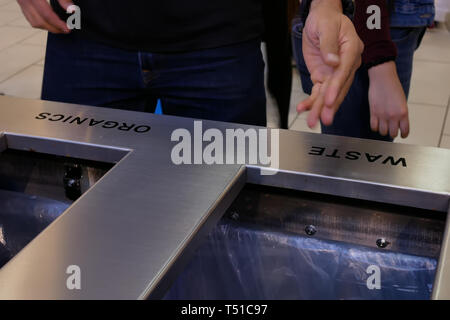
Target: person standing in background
(375,106)
(202,58)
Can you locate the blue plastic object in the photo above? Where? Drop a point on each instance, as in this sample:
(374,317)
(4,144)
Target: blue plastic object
(159,108)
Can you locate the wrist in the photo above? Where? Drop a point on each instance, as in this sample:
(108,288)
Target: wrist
(384,74)
(320,7)
(331,4)
(383,70)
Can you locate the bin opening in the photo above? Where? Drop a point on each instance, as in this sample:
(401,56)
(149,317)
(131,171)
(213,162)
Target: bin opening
(275,243)
(36,188)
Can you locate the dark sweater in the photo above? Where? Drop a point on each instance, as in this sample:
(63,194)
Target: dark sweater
(167,26)
(378,46)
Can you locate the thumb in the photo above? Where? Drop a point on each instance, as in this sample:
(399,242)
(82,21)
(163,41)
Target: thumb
(329,45)
(65,4)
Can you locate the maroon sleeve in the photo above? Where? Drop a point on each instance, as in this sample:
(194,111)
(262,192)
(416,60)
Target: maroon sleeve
(378,46)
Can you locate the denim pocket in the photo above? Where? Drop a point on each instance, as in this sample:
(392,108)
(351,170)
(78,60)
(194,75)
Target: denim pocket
(412,13)
(411,6)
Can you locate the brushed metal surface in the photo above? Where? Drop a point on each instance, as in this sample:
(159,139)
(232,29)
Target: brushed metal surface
(409,231)
(132,230)
(423,183)
(64,148)
(441,288)
(131,227)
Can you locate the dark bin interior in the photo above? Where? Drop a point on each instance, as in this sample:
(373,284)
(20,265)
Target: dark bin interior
(35,189)
(282,244)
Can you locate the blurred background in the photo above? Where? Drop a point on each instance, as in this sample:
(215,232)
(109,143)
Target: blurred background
(22,52)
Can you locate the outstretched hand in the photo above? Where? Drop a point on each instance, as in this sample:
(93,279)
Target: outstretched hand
(332,52)
(387,100)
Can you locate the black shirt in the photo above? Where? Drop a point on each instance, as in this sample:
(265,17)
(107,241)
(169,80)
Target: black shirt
(170,25)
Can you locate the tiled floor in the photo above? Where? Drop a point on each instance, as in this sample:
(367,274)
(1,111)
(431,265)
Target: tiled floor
(22,50)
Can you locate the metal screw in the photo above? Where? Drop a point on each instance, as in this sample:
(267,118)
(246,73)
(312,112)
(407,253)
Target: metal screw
(71,183)
(382,243)
(310,230)
(234,215)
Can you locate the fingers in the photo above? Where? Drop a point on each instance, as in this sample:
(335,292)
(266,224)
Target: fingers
(49,16)
(36,21)
(333,66)
(393,129)
(350,50)
(404,127)
(307,103)
(65,4)
(390,127)
(40,15)
(329,43)
(318,75)
(350,61)
(314,113)
(383,127)
(327,114)
(316,103)
(374,123)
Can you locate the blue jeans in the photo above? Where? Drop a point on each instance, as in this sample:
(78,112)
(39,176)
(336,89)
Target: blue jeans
(412,13)
(353,117)
(225,84)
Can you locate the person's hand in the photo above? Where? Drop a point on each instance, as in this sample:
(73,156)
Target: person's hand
(40,15)
(387,100)
(332,52)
